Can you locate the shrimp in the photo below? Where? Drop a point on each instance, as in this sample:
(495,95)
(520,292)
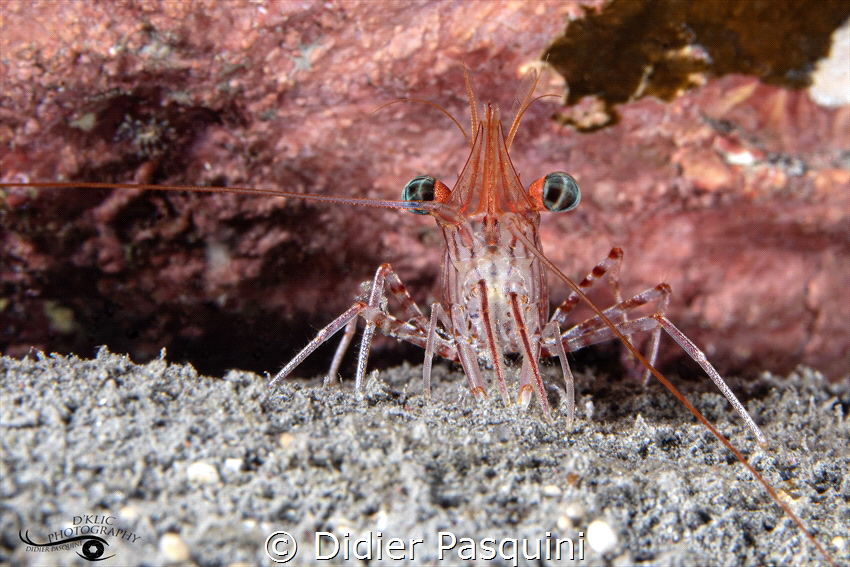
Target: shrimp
(495,296)
(494,285)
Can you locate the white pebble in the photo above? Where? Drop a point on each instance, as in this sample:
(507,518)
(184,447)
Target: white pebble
(202,472)
(129,513)
(233,465)
(173,547)
(574,511)
(601,537)
(588,409)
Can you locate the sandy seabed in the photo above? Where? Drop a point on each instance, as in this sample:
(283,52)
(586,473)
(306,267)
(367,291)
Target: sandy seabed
(168,466)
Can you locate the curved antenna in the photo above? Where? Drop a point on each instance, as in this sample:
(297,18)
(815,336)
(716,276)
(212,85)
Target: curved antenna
(518,118)
(473,107)
(667,384)
(521,102)
(435,105)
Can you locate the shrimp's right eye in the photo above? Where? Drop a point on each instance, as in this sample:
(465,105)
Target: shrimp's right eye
(556,192)
(424,188)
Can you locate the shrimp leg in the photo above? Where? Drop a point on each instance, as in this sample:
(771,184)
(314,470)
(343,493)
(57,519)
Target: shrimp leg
(660,293)
(610,265)
(657,322)
(414,329)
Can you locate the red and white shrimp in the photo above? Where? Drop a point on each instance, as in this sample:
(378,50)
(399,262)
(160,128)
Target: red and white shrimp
(493,276)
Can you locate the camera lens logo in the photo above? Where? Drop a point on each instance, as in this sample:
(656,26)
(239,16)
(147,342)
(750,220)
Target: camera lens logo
(281,547)
(93,549)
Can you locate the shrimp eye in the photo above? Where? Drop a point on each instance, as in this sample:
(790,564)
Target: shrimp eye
(557,192)
(420,188)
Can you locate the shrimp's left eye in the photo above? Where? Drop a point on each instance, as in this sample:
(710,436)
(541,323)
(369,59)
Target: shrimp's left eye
(556,192)
(423,188)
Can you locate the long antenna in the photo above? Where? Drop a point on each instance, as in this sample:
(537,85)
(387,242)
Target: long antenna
(236,190)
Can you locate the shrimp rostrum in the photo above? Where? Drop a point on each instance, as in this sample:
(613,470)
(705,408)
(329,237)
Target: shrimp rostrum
(494,285)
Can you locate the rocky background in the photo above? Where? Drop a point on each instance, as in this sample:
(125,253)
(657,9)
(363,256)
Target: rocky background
(700,147)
